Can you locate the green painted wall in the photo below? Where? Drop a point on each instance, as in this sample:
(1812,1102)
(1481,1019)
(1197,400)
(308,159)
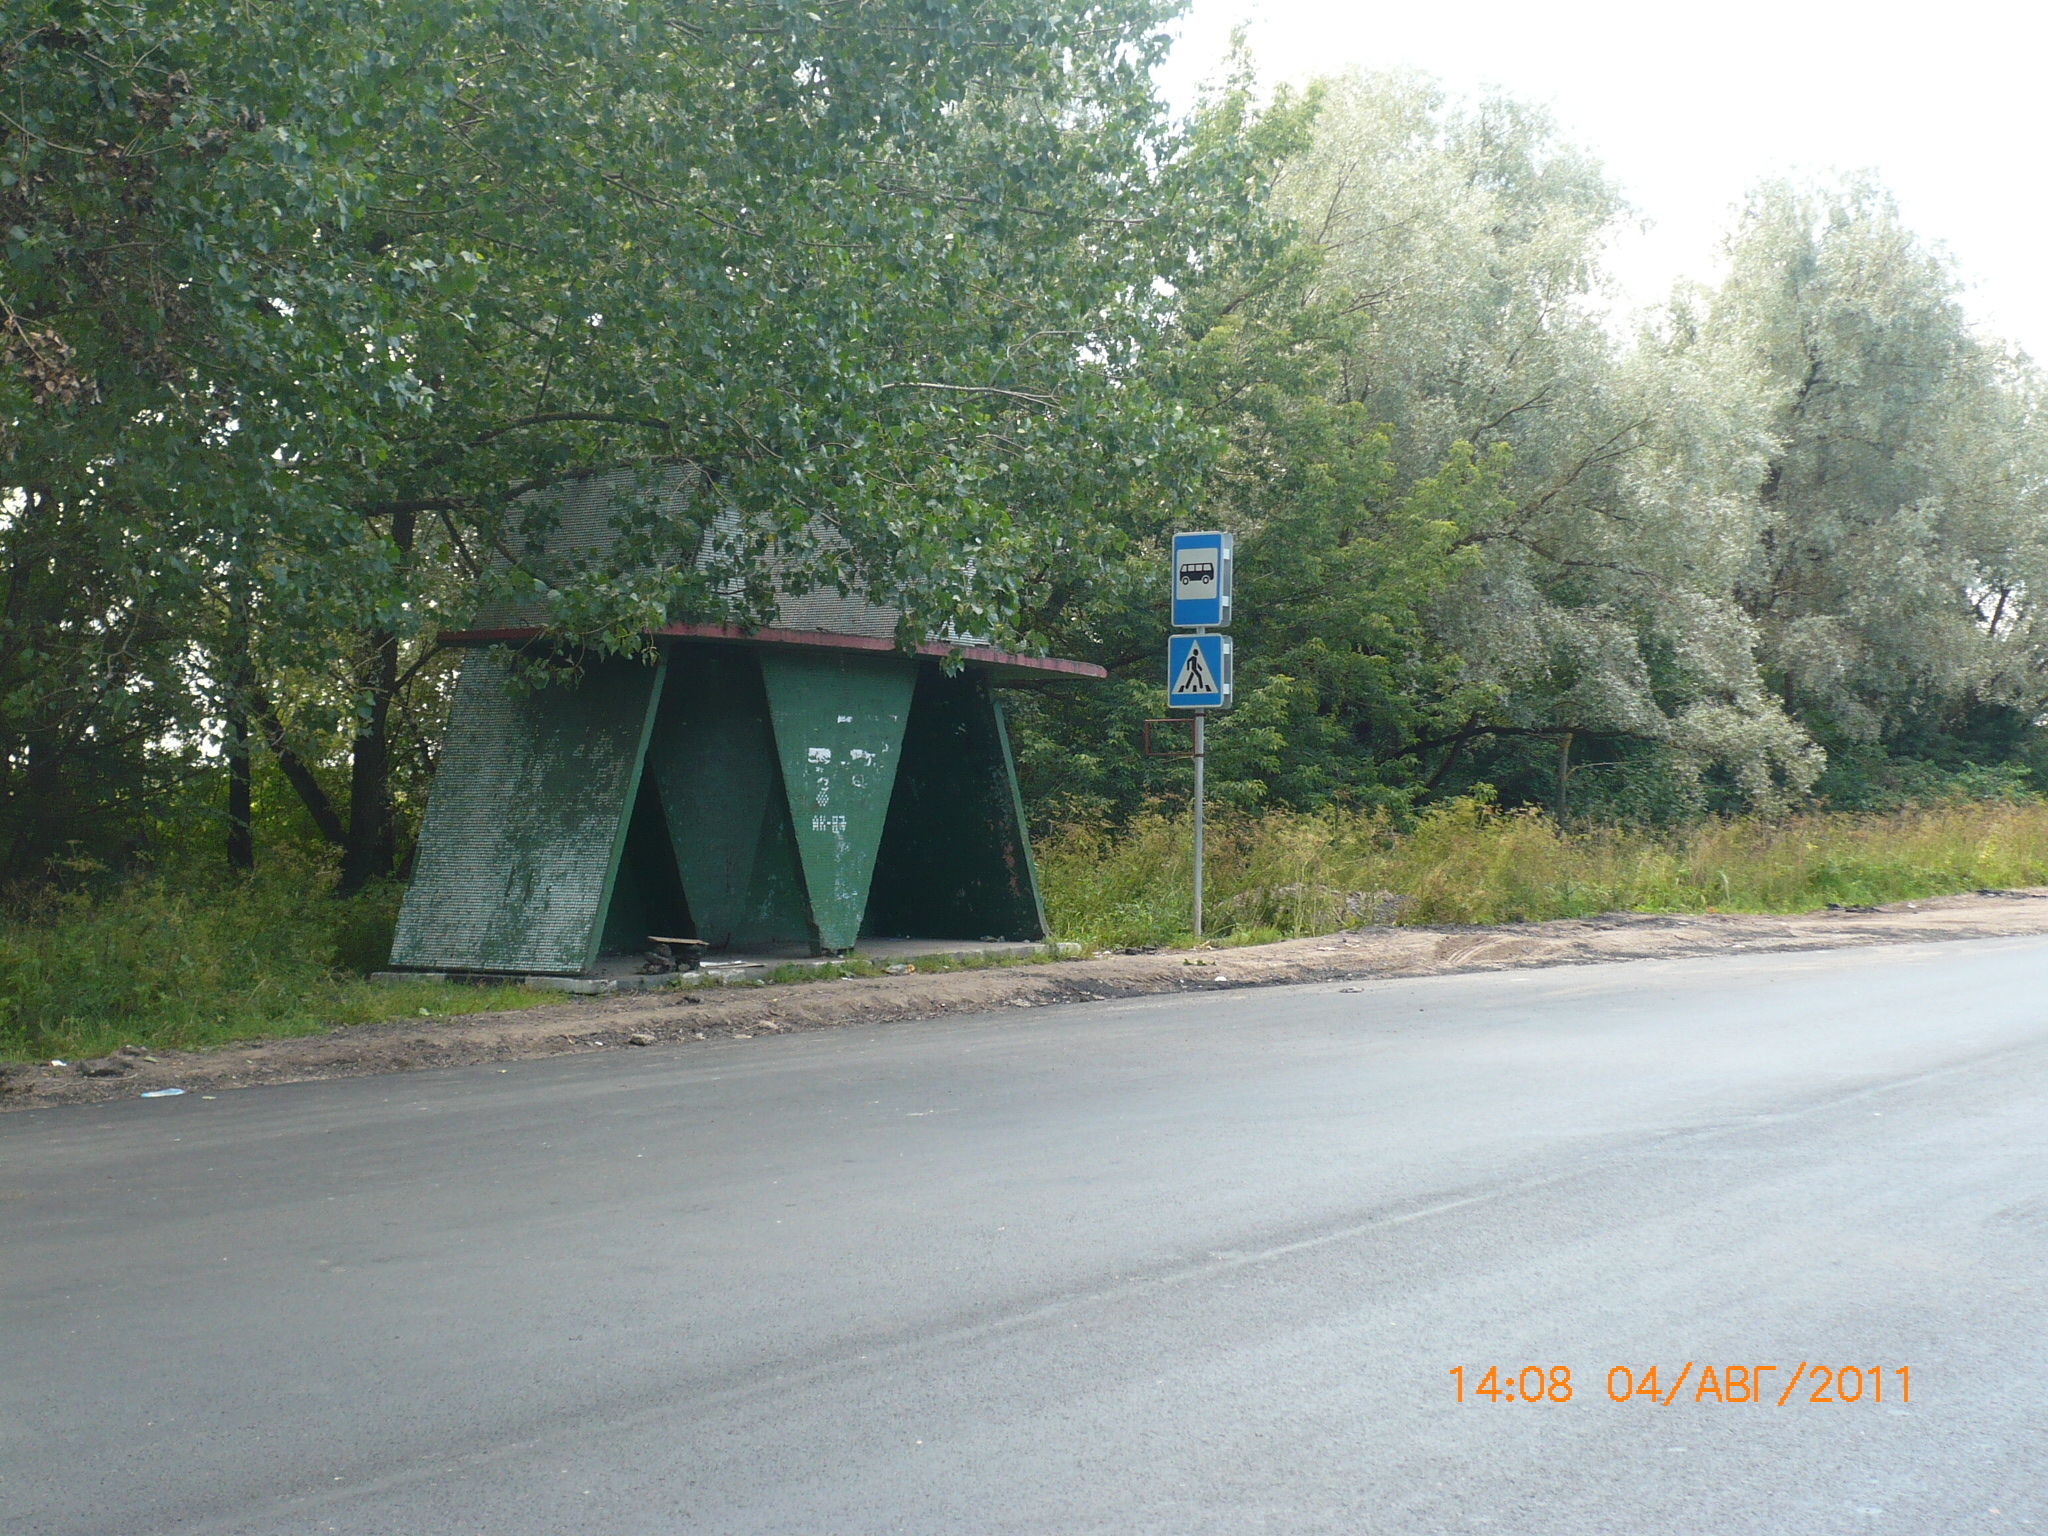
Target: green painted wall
(713,760)
(526,819)
(647,895)
(788,795)
(955,862)
(838,722)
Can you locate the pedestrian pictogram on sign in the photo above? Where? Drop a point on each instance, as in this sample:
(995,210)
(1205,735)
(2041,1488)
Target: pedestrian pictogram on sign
(1201,578)
(1198,672)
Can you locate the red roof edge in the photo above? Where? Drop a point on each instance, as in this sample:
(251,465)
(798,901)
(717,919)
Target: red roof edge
(981,655)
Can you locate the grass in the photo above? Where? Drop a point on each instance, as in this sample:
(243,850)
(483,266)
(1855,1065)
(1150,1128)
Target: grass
(178,964)
(182,963)
(1282,875)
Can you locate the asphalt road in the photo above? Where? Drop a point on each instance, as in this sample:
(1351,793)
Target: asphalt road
(1186,1264)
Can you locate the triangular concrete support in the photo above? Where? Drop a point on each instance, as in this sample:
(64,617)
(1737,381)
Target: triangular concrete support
(838,721)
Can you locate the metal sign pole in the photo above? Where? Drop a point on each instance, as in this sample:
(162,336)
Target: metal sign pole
(1200,670)
(1199,719)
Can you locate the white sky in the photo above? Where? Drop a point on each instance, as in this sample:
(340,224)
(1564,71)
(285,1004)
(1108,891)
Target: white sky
(1687,105)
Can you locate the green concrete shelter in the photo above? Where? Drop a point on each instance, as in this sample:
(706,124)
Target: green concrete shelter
(810,784)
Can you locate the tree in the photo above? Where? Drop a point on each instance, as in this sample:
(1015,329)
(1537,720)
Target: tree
(1902,547)
(1601,603)
(1335,561)
(304,299)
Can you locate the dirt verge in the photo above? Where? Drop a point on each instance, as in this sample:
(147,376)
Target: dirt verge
(620,1023)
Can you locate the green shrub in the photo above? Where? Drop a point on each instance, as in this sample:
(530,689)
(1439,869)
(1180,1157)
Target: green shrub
(363,927)
(182,962)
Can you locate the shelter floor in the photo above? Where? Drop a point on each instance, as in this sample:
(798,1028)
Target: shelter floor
(625,973)
(759,960)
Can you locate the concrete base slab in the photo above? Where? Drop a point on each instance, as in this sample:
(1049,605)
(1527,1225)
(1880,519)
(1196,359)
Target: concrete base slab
(624,973)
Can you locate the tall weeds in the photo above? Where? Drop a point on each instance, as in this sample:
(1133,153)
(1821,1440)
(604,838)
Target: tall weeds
(167,962)
(182,962)
(1282,874)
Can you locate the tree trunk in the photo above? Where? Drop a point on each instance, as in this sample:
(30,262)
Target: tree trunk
(1452,753)
(368,855)
(241,829)
(297,772)
(372,839)
(241,833)
(1564,775)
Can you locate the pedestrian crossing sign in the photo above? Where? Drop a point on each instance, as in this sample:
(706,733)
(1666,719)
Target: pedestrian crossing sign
(1198,672)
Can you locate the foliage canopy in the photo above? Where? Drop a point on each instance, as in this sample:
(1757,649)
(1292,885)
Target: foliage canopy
(301,302)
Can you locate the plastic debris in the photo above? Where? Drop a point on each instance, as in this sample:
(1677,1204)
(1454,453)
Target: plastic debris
(60,1063)
(161,1093)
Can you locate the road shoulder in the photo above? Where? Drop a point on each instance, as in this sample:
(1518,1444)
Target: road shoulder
(712,1017)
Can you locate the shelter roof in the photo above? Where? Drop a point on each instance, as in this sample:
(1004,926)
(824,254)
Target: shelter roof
(580,524)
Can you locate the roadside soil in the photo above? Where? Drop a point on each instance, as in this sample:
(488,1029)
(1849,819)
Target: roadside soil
(714,1016)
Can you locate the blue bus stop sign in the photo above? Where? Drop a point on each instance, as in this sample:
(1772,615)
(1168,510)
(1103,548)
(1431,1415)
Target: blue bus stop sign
(1199,672)
(1201,579)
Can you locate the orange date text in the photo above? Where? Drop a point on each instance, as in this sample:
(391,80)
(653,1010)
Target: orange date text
(1695,1382)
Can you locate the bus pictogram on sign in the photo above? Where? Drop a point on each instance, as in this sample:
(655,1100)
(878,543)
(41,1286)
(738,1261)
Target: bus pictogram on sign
(1201,579)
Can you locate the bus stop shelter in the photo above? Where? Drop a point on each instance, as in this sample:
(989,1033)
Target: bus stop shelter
(791,790)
